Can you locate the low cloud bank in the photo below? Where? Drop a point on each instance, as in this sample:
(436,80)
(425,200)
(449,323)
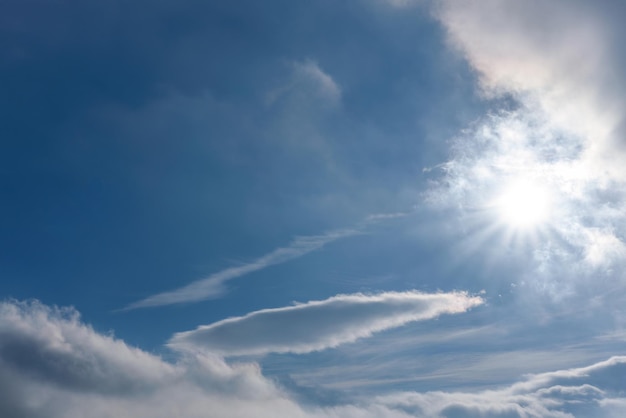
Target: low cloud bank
(52,365)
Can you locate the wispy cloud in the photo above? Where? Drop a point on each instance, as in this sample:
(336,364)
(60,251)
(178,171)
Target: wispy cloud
(214,285)
(384,216)
(324,84)
(594,390)
(310,79)
(318,325)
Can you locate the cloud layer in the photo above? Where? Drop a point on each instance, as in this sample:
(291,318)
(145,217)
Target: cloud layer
(54,366)
(318,325)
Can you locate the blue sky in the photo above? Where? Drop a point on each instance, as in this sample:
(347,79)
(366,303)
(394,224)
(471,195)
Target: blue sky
(368,208)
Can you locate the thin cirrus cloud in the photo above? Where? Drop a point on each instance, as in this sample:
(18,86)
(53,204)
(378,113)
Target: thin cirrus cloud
(318,325)
(53,365)
(326,86)
(214,285)
(309,79)
(595,390)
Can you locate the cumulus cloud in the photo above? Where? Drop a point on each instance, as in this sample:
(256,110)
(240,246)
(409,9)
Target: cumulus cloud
(213,286)
(54,366)
(318,325)
(51,344)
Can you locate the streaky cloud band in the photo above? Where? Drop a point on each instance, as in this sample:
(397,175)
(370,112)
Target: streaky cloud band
(318,325)
(54,365)
(213,285)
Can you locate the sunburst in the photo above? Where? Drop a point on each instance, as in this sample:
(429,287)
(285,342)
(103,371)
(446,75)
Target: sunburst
(523,205)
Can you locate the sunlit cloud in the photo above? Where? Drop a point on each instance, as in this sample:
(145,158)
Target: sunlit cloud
(318,325)
(516,178)
(595,390)
(542,170)
(53,365)
(523,204)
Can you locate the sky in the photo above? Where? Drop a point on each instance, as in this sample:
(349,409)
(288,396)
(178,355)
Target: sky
(344,209)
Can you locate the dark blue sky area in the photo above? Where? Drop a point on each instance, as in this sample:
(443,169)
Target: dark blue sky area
(373,208)
(142,149)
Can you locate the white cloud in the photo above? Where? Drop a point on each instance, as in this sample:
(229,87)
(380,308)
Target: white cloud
(603,247)
(384,216)
(589,391)
(558,58)
(213,286)
(559,52)
(561,127)
(54,366)
(52,345)
(318,325)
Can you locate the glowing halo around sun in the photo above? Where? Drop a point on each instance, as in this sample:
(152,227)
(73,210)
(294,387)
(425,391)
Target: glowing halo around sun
(523,205)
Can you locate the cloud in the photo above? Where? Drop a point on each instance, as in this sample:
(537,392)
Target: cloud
(213,286)
(588,391)
(558,53)
(54,366)
(603,247)
(556,59)
(308,79)
(310,72)
(50,344)
(384,216)
(318,325)
(557,121)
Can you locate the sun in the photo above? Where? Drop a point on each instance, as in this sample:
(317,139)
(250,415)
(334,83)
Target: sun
(523,204)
